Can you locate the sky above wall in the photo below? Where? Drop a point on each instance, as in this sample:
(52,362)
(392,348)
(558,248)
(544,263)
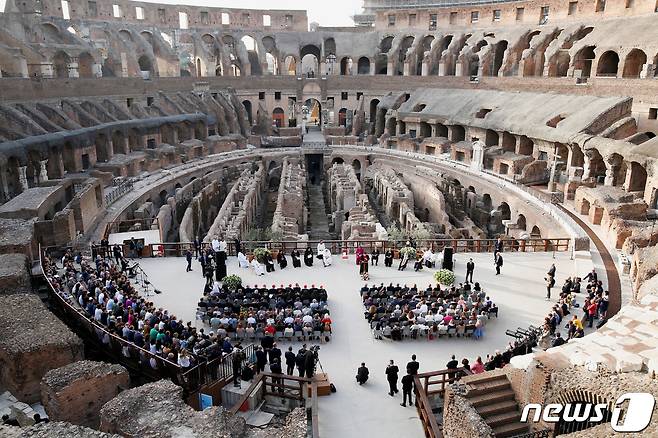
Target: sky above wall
(325,12)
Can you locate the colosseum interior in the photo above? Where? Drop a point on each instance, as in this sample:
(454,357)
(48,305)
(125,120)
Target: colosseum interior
(136,138)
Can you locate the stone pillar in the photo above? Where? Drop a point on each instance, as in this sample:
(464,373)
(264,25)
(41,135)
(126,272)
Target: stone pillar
(478,155)
(43,175)
(97,70)
(4,189)
(610,176)
(22,177)
(124,65)
(389,68)
(425,69)
(73,70)
(47,70)
(442,68)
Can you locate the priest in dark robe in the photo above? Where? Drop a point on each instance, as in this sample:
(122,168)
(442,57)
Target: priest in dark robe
(308,257)
(296,262)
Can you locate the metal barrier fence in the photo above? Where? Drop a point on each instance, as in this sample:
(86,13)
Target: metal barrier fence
(178,249)
(118,192)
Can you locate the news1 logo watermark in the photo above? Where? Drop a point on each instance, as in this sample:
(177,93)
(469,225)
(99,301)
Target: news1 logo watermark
(635,417)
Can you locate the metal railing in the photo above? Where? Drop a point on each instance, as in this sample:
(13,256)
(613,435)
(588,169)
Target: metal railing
(118,192)
(135,358)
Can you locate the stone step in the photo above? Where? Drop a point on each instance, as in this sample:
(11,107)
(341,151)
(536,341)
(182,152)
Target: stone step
(491,398)
(497,408)
(503,418)
(483,377)
(510,430)
(487,387)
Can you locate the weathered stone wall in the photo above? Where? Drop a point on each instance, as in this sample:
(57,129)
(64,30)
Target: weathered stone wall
(158,409)
(33,342)
(14,274)
(76,392)
(291,212)
(460,419)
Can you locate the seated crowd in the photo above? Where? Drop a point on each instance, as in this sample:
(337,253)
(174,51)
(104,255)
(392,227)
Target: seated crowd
(107,297)
(253,312)
(398,311)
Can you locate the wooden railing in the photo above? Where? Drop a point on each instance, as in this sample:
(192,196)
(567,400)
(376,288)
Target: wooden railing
(285,386)
(422,387)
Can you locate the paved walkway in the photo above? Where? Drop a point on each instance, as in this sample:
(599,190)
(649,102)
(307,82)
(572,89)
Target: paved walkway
(366,411)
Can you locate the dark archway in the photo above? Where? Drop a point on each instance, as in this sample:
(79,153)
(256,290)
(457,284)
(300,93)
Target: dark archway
(608,64)
(363,66)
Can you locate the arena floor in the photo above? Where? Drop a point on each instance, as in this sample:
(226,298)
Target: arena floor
(357,411)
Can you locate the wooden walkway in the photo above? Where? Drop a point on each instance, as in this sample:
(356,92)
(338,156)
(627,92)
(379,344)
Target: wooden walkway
(614,283)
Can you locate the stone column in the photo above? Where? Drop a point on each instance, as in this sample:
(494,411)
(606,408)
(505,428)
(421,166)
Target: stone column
(73,69)
(3,184)
(610,176)
(22,177)
(478,155)
(43,175)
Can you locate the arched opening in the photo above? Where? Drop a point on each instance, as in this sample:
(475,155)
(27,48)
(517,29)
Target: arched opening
(617,168)
(634,63)
(583,61)
(364,66)
(342,117)
(521,222)
(608,64)
(85,65)
(505,212)
(441,130)
(252,54)
(102,149)
(499,53)
(272,67)
(638,177)
(310,56)
(486,201)
(312,112)
(458,133)
(425,129)
(278,117)
(290,64)
(61,65)
(491,138)
(247,107)
(560,67)
(509,142)
(118,142)
(535,233)
(584,207)
(337,160)
(407,42)
(145,66)
(356,165)
(577,157)
(346,66)
(381,64)
(526,146)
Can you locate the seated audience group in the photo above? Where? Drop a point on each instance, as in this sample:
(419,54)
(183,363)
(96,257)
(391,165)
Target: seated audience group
(396,312)
(254,311)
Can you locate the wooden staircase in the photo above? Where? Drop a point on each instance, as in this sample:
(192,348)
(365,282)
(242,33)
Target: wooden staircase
(493,398)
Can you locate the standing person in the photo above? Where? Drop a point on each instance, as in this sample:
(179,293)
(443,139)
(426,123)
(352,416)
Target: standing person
(360,252)
(392,371)
(498,262)
(261,359)
(197,246)
(452,365)
(550,282)
(296,263)
(407,385)
(238,246)
(274,354)
(132,245)
(309,364)
(374,256)
(188,257)
(237,358)
(470,267)
(275,368)
(363,264)
(592,309)
(118,253)
(290,362)
(388,258)
(300,360)
(551,271)
(498,247)
(413,366)
(220,268)
(320,249)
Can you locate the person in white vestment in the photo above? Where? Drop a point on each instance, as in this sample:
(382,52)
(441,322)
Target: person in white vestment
(258,269)
(215,244)
(242,260)
(326,257)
